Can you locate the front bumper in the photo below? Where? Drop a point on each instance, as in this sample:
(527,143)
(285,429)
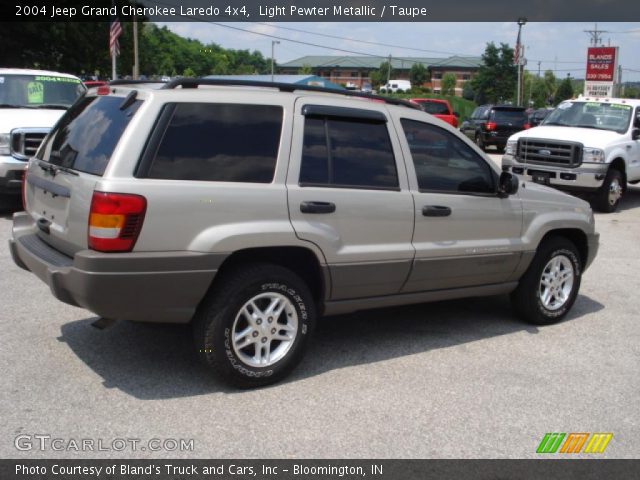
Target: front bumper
(587,177)
(147,287)
(11,172)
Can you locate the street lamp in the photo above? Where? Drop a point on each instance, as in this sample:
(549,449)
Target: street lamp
(273,44)
(519,54)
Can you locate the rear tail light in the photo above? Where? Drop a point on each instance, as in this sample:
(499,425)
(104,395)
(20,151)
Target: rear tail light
(490,126)
(24,187)
(115,221)
(527,126)
(103,90)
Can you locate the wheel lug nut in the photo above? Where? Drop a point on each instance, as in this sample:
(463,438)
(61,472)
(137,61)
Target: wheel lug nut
(255,334)
(270,319)
(259,322)
(273,331)
(264,339)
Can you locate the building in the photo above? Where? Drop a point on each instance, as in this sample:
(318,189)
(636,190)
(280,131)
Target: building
(356,71)
(311,80)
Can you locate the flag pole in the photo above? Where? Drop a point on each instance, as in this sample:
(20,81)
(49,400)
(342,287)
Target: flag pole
(113,65)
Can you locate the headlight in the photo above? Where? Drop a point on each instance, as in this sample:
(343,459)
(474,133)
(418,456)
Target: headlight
(4,144)
(512,147)
(592,155)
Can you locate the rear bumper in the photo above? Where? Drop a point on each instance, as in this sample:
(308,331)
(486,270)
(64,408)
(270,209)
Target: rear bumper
(495,138)
(147,287)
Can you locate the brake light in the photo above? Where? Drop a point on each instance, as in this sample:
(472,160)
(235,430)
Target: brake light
(526,126)
(115,221)
(23,187)
(103,90)
(490,126)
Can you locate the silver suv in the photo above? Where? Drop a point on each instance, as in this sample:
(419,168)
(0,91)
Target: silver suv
(249,209)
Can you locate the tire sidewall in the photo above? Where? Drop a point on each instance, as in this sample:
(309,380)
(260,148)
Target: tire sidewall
(603,197)
(218,335)
(551,316)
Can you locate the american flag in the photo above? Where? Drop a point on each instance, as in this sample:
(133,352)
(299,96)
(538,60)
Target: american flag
(516,53)
(114,32)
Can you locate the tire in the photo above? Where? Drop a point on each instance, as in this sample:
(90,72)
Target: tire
(557,262)
(233,329)
(500,148)
(480,143)
(607,199)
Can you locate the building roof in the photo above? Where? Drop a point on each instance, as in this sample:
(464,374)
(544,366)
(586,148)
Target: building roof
(318,61)
(312,80)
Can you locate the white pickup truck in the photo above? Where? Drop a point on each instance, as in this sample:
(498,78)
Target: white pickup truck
(31,102)
(588,145)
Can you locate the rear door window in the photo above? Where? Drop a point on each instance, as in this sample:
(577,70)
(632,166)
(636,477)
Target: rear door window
(219,142)
(87,134)
(516,117)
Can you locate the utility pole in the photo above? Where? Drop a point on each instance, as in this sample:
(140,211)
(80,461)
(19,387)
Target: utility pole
(389,70)
(273,44)
(620,87)
(539,62)
(519,54)
(596,38)
(136,64)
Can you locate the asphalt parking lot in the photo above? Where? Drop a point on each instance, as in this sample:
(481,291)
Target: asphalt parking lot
(444,380)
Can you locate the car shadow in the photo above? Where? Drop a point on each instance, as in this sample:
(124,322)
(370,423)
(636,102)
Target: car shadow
(631,198)
(154,361)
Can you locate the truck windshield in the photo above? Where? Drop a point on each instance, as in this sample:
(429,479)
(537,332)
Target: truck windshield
(38,91)
(598,115)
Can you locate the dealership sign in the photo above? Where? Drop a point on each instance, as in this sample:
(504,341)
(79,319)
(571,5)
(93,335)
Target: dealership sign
(602,63)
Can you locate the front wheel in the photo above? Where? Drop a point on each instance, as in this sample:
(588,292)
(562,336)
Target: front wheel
(253,327)
(608,197)
(549,287)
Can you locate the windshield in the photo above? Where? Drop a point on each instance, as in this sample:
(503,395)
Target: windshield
(38,91)
(597,115)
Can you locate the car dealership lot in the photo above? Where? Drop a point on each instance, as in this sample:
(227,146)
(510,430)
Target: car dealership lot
(451,379)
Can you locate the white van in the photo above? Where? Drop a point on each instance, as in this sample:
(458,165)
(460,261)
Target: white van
(31,102)
(394,86)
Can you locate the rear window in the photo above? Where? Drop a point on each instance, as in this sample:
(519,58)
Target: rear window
(219,142)
(435,108)
(509,116)
(86,135)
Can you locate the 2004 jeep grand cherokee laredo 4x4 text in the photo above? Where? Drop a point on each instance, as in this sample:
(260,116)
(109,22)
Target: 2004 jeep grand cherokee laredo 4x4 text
(249,209)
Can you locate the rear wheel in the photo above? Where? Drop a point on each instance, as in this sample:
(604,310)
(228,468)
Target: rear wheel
(608,197)
(480,142)
(253,328)
(549,287)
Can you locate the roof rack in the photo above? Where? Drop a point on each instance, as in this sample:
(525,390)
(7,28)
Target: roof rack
(283,87)
(122,81)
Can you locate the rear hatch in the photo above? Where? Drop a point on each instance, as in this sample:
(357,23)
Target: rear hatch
(508,120)
(62,176)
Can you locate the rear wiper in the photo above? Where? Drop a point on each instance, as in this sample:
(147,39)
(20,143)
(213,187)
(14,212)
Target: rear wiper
(55,169)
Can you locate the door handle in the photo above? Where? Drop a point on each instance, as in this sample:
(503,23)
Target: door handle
(436,211)
(317,207)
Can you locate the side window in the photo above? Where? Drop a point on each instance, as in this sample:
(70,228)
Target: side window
(219,142)
(476,113)
(340,152)
(444,163)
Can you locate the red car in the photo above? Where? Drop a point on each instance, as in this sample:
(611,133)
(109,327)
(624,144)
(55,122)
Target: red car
(438,108)
(94,83)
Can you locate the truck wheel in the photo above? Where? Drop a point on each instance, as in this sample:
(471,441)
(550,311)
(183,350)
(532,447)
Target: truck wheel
(252,328)
(480,143)
(549,287)
(608,197)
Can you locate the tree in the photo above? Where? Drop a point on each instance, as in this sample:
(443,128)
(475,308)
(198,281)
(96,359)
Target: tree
(448,84)
(496,79)
(467,91)
(380,76)
(418,74)
(551,84)
(564,91)
(539,93)
(306,69)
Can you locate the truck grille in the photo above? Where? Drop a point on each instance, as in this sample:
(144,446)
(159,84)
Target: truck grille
(25,141)
(544,152)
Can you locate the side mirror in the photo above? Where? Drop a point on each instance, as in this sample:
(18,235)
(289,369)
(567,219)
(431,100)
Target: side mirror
(507,184)
(635,134)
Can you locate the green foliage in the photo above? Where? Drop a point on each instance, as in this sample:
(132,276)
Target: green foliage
(380,76)
(551,83)
(448,84)
(564,91)
(467,91)
(496,79)
(539,94)
(418,74)
(82,48)
(306,69)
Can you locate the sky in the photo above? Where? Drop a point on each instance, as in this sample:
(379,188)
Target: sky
(557,46)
